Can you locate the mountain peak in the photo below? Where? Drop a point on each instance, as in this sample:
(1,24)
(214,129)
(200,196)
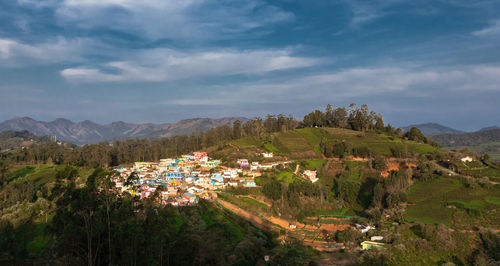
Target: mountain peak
(430,129)
(24,118)
(62,121)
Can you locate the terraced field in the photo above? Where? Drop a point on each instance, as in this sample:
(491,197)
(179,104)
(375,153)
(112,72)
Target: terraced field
(305,143)
(450,202)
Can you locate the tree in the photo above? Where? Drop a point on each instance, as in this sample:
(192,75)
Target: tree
(348,191)
(339,118)
(272,189)
(379,122)
(4,168)
(315,119)
(237,129)
(416,135)
(340,149)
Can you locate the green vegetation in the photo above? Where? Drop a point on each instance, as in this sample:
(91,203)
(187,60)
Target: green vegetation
(433,199)
(314,164)
(482,142)
(57,205)
(287,177)
(245,203)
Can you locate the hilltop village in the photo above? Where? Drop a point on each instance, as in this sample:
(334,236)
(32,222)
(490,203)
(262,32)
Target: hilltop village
(182,181)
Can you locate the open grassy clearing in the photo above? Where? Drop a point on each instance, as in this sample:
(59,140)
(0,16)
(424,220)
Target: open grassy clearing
(271,148)
(19,171)
(245,203)
(248,142)
(288,177)
(315,164)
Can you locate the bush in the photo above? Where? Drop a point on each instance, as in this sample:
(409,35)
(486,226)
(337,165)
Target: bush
(340,149)
(347,236)
(379,164)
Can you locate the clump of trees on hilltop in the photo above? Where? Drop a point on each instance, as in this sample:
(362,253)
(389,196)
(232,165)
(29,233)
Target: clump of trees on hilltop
(355,118)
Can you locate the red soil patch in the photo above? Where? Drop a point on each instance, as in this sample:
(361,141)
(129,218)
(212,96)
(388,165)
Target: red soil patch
(358,159)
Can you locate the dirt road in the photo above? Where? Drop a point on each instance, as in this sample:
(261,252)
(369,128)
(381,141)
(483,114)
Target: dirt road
(262,224)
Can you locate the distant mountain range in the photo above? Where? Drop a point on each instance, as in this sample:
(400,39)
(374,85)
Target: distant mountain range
(430,129)
(86,132)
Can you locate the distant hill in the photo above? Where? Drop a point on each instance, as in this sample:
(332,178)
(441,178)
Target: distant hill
(468,139)
(430,129)
(16,139)
(484,141)
(86,132)
(489,128)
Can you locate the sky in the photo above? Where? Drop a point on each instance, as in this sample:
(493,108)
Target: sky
(163,61)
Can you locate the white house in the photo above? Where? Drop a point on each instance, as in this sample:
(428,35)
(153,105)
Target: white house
(267,154)
(466,159)
(311,175)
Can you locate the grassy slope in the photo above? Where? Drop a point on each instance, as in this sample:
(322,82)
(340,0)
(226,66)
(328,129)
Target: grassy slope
(304,143)
(473,205)
(42,174)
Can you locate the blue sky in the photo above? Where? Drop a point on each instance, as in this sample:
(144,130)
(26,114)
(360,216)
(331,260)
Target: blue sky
(162,61)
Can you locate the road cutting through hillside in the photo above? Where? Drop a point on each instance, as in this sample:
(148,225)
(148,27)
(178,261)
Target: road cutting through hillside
(276,224)
(257,221)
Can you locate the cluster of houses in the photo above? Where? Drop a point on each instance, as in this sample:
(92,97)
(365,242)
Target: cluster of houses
(182,181)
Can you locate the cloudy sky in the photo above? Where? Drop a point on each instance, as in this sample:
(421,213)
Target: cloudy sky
(166,60)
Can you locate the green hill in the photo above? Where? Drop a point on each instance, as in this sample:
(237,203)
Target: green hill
(307,143)
(426,203)
(16,139)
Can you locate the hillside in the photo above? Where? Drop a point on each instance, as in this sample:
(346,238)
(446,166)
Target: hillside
(489,128)
(220,197)
(406,193)
(482,142)
(398,186)
(430,129)
(16,139)
(309,143)
(86,132)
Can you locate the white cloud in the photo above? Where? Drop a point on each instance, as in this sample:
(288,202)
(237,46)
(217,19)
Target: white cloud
(165,64)
(359,82)
(15,53)
(172,19)
(39,3)
(364,12)
(492,30)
